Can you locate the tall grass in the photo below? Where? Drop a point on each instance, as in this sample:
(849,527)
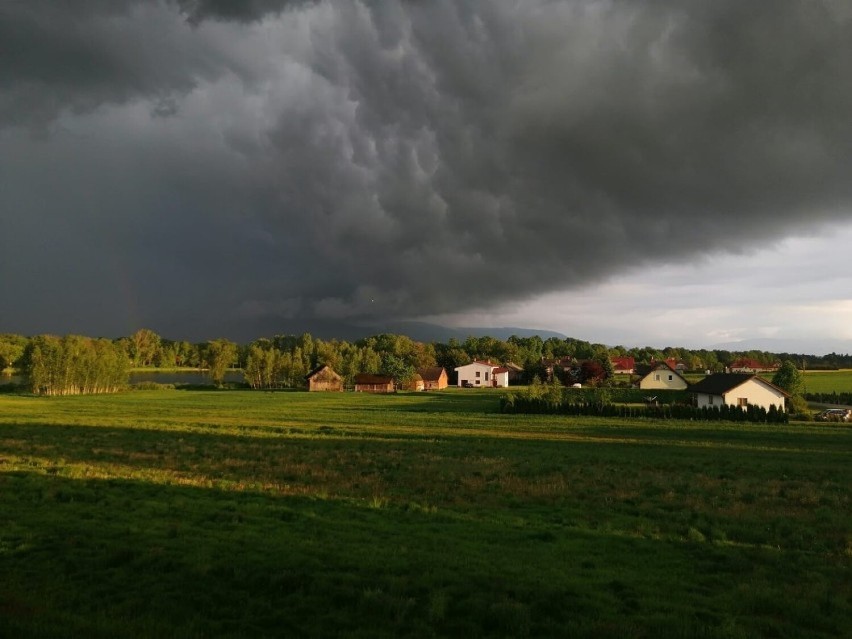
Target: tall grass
(178,514)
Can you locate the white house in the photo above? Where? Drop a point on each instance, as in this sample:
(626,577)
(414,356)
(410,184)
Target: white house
(500,376)
(738,389)
(662,377)
(483,375)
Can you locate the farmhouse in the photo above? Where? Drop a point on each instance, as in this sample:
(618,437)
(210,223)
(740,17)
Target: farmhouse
(738,389)
(623,365)
(434,377)
(500,377)
(482,375)
(370,383)
(515,372)
(323,378)
(662,377)
(746,365)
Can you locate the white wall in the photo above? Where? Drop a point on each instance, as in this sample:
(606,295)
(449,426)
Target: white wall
(502,379)
(757,394)
(468,373)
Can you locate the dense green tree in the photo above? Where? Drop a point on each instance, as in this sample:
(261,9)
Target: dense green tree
(398,368)
(12,348)
(263,366)
(789,378)
(74,365)
(220,355)
(144,346)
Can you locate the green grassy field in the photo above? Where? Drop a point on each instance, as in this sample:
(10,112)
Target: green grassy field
(207,514)
(828,381)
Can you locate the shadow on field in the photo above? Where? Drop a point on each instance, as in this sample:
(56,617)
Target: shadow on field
(103,558)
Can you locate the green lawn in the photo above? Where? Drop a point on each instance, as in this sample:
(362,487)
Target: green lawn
(207,514)
(828,381)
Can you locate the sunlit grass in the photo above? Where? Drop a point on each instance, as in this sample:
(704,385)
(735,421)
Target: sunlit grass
(828,381)
(176,513)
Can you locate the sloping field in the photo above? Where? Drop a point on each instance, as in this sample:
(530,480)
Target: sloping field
(250,514)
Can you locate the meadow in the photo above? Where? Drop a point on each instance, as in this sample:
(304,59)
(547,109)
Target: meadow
(839,381)
(250,514)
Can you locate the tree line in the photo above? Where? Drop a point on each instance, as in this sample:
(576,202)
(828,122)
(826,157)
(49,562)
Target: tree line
(284,360)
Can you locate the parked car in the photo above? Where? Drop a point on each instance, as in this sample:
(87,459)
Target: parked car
(835,415)
(467,384)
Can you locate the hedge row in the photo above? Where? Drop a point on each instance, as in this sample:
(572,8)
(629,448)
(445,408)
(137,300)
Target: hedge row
(830,398)
(541,406)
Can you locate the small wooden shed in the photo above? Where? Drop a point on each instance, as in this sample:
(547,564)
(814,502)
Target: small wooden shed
(434,377)
(370,383)
(323,378)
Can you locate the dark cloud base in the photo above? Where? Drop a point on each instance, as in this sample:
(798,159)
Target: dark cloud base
(273,161)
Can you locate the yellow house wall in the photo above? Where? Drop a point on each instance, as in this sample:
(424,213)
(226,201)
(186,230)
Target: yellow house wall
(649,383)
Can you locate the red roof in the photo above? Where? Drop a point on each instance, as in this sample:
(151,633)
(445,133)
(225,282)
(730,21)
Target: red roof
(623,362)
(500,369)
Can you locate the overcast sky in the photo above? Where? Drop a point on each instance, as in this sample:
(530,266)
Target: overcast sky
(665,173)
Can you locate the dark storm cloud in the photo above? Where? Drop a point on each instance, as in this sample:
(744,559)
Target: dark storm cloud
(243,11)
(340,159)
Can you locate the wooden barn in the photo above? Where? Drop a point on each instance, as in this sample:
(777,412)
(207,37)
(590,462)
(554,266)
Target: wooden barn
(416,383)
(323,378)
(434,377)
(370,383)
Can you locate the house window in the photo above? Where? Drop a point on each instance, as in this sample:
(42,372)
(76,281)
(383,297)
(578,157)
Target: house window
(709,400)
(486,376)
(478,373)
(671,377)
(656,377)
(742,401)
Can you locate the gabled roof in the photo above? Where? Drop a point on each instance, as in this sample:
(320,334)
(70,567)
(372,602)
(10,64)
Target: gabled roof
(431,373)
(477,362)
(657,366)
(623,362)
(500,369)
(721,383)
(319,369)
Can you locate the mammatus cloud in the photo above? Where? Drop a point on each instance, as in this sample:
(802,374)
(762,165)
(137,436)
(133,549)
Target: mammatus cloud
(395,159)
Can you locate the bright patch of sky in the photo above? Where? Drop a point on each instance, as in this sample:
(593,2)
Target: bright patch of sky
(798,291)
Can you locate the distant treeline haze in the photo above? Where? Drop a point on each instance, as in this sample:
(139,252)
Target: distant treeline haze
(75,364)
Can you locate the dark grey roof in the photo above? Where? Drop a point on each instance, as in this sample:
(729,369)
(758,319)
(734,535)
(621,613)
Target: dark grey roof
(721,383)
(430,373)
(370,378)
(319,369)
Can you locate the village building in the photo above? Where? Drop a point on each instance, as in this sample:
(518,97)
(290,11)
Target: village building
(416,383)
(738,389)
(500,377)
(434,377)
(747,365)
(371,383)
(479,374)
(661,376)
(515,372)
(323,378)
(623,365)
